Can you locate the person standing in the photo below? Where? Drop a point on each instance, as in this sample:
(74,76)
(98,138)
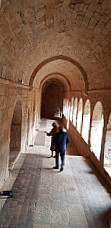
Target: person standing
(52,133)
(61,140)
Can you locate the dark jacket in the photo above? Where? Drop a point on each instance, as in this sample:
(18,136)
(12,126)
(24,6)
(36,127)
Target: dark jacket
(61,140)
(52,133)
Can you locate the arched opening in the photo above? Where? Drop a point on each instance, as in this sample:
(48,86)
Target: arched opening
(97,129)
(67,109)
(15,134)
(71,109)
(34,114)
(68,113)
(52,99)
(64,107)
(66,62)
(28,127)
(107,149)
(79,116)
(86,121)
(75,111)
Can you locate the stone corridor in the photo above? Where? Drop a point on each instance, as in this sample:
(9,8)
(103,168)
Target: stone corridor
(47,198)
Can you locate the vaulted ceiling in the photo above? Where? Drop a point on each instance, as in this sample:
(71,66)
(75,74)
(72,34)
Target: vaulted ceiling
(68,38)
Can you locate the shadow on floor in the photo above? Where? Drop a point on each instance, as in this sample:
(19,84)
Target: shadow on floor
(19,210)
(95,172)
(39,155)
(106,218)
(72,150)
(93,193)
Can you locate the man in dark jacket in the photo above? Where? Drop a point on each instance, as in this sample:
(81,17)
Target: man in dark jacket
(61,140)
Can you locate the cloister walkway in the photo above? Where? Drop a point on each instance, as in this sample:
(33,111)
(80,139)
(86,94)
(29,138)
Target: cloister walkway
(47,198)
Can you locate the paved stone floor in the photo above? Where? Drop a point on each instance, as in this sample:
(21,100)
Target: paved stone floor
(47,198)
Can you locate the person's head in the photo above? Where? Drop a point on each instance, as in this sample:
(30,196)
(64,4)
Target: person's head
(61,128)
(54,124)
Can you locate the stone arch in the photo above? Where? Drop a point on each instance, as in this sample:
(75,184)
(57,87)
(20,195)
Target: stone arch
(62,57)
(86,120)
(63,79)
(97,129)
(107,148)
(79,115)
(52,98)
(15,133)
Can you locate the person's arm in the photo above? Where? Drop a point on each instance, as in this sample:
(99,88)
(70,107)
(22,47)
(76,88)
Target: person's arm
(50,133)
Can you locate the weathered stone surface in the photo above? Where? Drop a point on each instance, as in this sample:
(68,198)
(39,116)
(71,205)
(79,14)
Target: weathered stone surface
(47,198)
(25,25)
(63,43)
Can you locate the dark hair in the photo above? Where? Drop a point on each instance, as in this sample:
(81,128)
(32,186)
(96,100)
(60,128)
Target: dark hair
(54,124)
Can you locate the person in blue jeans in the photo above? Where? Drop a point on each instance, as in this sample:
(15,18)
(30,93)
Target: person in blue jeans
(61,140)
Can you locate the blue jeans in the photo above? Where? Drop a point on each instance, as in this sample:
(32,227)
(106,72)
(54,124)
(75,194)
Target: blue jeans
(62,155)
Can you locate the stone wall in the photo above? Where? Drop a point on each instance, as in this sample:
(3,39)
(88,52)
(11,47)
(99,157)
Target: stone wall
(10,94)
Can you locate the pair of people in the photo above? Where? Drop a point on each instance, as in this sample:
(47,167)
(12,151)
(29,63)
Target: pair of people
(60,140)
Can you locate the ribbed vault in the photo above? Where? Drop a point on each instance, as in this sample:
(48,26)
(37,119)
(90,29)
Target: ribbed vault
(33,32)
(64,66)
(58,78)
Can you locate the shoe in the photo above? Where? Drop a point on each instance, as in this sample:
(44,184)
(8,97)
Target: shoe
(61,169)
(55,167)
